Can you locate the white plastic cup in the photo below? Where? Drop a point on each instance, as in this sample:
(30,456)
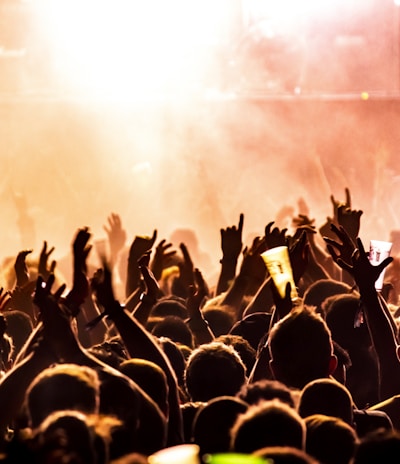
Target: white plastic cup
(278,264)
(180,454)
(378,251)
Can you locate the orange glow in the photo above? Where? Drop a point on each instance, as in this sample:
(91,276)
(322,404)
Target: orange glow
(128,48)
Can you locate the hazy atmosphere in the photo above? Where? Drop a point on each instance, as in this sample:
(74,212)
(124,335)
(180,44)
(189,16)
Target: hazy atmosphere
(192,132)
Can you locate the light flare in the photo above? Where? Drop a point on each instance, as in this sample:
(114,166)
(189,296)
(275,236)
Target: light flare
(129,47)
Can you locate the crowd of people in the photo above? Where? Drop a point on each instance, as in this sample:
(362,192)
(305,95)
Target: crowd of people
(115,354)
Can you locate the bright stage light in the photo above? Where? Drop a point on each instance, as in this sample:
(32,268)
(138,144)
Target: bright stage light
(127,48)
(295,10)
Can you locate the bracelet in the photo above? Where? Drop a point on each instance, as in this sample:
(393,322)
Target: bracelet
(146,299)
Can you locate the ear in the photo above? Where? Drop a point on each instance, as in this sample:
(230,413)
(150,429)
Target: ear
(274,369)
(333,362)
(398,352)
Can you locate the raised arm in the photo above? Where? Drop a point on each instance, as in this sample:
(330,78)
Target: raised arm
(202,333)
(139,246)
(375,314)
(231,245)
(140,344)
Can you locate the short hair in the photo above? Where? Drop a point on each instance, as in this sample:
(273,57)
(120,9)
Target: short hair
(150,377)
(246,352)
(219,319)
(285,455)
(269,423)
(301,347)
(77,437)
(169,306)
(252,327)
(63,387)
(266,389)
(213,422)
(378,446)
(174,328)
(19,328)
(340,314)
(329,439)
(329,397)
(318,291)
(214,369)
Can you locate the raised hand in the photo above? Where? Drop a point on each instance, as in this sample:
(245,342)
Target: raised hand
(365,274)
(349,219)
(196,295)
(197,324)
(163,257)
(43,268)
(346,247)
(21,269)
(43,294)
(116,235)
(253,267)
(152,288)
(299,256)
(231,240)
(101,284)
(274,237)
(186,269)
(303,222)
(231,245)
(141,244)
(325,229)
(80,287)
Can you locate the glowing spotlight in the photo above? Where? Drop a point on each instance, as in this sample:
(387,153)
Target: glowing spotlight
(129,48)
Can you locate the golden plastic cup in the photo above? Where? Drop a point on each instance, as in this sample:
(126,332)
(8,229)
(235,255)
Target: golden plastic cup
(278,264)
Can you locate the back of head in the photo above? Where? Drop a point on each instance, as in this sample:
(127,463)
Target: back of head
(330,440)
(219,319)
(379,446)
(362,376)
(270,423)
(19,327)
(326,396)
(150,377)
(189,410)
(62,387)
(143,427)
(252,328)
(212,424)
(169,306)
(317,292)
(266,389)
(175,357)
(214,369)
(72,437)
(285,455)
(174,328)
(301,348)
(340,315)
(246,352)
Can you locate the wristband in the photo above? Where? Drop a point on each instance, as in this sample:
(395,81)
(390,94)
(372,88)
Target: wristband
(146,299)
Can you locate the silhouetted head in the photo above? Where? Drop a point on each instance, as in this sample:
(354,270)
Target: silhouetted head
(270,423)
(301,348)
(214,369)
